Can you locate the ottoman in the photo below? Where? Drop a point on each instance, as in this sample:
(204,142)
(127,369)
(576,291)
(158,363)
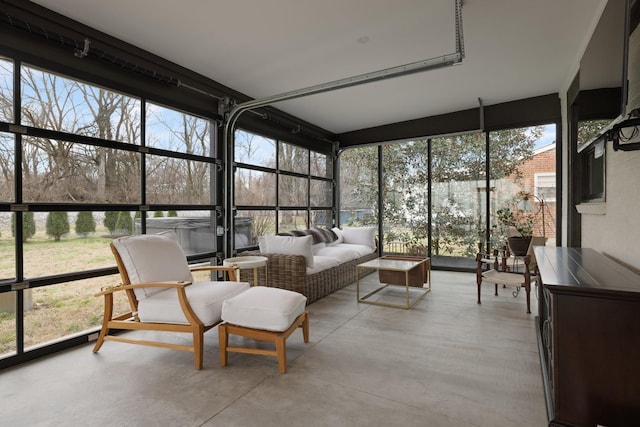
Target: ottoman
(265,314)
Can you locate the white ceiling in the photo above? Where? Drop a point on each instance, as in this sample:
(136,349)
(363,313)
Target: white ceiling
(514,49)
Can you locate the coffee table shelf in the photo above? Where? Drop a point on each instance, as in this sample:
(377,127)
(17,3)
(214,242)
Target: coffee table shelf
(400,266)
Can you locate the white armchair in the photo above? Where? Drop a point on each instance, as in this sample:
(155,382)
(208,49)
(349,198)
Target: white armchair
(163,294)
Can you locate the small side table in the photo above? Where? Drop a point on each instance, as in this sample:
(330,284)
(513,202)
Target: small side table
(247,262)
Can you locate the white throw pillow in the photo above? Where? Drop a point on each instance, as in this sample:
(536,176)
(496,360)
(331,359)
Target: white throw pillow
(360,236)
(338,233)
(289,245)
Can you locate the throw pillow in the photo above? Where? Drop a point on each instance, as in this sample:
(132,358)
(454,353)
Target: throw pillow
(360,236)
(289,245)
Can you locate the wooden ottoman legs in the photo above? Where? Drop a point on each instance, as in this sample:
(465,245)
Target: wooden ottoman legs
(278,338)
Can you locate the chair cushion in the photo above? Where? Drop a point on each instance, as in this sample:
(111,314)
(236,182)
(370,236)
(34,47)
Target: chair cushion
(271,309)
(206,299)
(153,258)
(503,278)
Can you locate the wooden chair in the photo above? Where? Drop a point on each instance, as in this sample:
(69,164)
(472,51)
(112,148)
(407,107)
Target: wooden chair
(162,293)
(501,273)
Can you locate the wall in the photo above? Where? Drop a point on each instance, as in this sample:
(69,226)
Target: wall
(613,227)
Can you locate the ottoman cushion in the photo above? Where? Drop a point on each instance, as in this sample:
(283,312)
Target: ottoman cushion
(261,307)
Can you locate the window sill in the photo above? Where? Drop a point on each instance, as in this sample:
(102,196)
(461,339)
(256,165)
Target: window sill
(595,208)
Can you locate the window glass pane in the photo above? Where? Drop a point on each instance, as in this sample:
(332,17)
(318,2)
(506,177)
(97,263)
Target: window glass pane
(589,129)
(195,230)
(593,175)
(405,206)
(254,188)
(7,182)
(292,220)
(293,158)
(359,186)
(66,242)
(458,196)
(250,225)
(321,165)
(8,272)
(178,181)
(6,90)
(321,193)
(8,304)
(63,310)
(321,218)
(177,131)
(545,186)
(254,149)
(60,171)
(292,191)
(54,102)
(517,157)
(593,160)
(7,242)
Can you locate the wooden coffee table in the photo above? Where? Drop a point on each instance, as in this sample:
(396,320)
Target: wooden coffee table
(405,267)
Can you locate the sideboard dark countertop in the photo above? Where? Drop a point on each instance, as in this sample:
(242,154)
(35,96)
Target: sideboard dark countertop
(585,271)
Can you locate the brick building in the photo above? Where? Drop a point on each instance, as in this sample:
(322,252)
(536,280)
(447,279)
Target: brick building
(539,180)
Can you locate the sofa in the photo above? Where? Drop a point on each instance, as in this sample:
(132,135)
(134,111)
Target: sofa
(314,262)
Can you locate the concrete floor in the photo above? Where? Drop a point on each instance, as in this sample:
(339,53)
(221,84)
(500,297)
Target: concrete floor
(445,362)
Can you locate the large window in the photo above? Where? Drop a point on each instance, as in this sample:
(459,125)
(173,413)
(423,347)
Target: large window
(295,192)
(441,197)
(459,196)
(359,186)
(75,174)
(592,160)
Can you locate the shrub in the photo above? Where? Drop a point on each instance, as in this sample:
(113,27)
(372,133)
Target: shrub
(85,224)
(124,224)
(172,213)
(110,219)
(57,225)
(158,214)
(28,225)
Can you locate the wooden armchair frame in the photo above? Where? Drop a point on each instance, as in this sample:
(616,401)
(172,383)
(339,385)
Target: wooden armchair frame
(500,274)
(131,321)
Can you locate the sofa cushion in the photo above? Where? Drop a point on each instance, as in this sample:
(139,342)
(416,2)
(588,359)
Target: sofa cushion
(316,247)
(321,263)
(153,258)
(361,250)
(339,252)
(288,245)
(360,236)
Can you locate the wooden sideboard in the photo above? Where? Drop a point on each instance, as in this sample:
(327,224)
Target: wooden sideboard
(589,338)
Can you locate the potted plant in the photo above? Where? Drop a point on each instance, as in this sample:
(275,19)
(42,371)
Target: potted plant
(518,227)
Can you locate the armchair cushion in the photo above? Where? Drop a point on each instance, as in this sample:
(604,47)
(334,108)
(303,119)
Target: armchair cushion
(205,298)
(153,258)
